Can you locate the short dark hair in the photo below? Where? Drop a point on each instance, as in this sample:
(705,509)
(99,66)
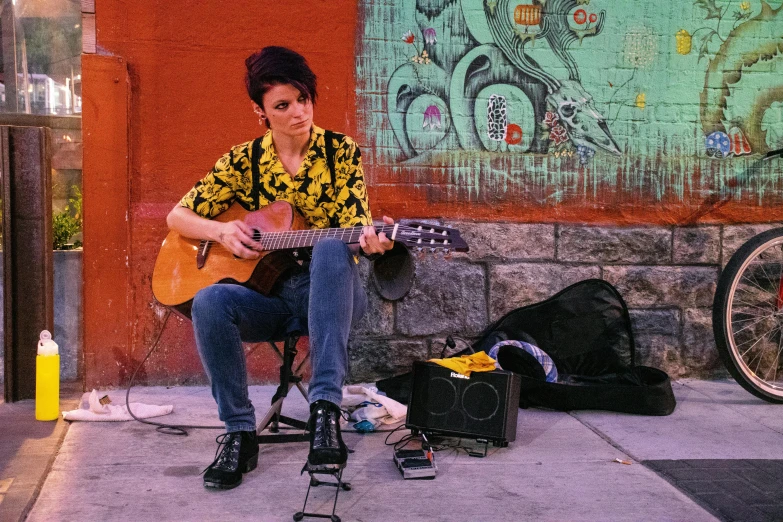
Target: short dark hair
(278,66)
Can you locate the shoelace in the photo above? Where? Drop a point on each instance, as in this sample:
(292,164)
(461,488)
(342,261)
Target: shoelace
(225,447)
(324,433)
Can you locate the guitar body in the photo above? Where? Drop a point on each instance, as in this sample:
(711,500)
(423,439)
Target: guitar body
(177,276)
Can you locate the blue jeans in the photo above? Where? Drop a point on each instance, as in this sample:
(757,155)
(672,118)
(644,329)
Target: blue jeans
(328,299)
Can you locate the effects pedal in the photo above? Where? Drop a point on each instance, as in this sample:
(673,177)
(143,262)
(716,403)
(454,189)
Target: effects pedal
(415,464)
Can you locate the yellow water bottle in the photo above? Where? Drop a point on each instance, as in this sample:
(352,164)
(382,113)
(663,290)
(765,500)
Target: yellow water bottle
(47,379)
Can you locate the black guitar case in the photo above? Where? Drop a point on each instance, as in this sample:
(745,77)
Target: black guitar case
(586,330)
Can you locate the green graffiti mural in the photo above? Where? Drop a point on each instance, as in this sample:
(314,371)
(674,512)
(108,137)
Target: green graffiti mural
(494,94)
(551,100)
(734,101)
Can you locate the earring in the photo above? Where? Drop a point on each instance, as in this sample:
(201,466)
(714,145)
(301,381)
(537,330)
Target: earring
(261,119)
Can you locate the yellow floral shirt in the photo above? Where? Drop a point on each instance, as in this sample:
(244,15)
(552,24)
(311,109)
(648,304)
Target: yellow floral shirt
(323,202)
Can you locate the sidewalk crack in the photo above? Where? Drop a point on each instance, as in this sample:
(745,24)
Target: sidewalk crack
(605,437)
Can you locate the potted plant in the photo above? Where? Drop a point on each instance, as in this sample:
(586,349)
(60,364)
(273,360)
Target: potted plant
(67,223)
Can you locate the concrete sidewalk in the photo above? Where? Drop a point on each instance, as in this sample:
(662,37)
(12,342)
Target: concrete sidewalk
(27,450)
(561,467)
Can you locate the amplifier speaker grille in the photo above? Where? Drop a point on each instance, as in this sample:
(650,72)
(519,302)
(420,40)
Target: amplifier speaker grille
(483,406)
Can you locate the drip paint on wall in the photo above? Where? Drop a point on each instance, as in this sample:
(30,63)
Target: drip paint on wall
(547,101)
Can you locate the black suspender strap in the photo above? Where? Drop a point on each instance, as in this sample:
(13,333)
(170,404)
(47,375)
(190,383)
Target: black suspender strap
(329,137)
(255,173)
(329,141)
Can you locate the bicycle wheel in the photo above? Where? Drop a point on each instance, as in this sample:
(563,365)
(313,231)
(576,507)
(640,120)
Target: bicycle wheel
(747,316)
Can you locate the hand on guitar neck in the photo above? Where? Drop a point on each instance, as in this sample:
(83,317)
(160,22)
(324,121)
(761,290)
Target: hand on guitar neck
(373,243)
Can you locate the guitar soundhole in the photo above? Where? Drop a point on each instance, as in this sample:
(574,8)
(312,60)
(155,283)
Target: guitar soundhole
(256,235)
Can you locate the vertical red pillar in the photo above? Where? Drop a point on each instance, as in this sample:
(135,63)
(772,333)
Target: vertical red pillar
(106,188)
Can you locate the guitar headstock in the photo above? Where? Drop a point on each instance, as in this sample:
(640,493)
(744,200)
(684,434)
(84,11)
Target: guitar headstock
(414,234)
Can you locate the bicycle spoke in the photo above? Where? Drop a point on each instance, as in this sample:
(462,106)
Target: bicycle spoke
(748,288)
(755,306)
(752,277)
(777,358)
(752,324)
(762,266)
(757,342)
(752,298)
(780,279)
(760,356)
(752,281)
(755,333)
(751,318)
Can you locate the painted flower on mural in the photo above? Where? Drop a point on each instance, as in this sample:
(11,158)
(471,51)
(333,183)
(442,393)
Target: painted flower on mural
(584,153)
(558,134)
(743,13)
(513,134)
(432,117)
(408,37)
(550,119)
(717,144)
(641,100)
(423,59)
(429,36)
(684,41)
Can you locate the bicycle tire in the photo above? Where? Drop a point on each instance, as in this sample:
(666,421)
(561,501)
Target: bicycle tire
(747,316)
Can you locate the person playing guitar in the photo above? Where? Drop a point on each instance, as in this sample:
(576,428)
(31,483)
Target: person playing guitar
(320,174)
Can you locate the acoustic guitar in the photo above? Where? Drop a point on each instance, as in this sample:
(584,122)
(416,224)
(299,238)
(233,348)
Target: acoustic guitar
(184,266)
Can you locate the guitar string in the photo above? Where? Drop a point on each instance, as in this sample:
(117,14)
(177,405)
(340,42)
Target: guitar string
(279,240)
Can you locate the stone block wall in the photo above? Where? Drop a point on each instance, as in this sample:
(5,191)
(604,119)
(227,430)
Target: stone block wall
(667,276)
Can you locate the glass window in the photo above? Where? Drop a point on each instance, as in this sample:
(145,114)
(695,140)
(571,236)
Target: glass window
(40,64)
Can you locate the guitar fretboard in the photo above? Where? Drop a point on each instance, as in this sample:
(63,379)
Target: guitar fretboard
(306,238)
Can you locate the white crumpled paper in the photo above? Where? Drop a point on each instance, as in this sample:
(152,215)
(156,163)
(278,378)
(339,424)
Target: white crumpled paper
(109,412)
(389,411)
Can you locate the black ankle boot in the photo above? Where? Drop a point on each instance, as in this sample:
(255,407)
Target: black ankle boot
(239,454)
(326,442)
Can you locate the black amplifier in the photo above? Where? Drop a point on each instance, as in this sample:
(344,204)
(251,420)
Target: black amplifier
(482,406)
